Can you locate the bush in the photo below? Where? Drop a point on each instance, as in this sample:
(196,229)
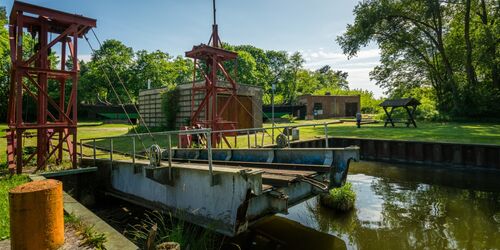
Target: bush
(169,229)
(340,199)
(170,106)
(289,118)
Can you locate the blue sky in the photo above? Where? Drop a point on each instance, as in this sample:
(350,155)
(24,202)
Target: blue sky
(174,26)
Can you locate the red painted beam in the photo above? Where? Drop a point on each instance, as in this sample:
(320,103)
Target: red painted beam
(60,16)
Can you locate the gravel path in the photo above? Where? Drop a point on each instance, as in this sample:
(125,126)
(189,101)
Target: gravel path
(71,241)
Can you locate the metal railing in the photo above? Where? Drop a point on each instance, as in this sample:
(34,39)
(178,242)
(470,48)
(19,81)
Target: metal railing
(142,137)
(207,133)
(254,131)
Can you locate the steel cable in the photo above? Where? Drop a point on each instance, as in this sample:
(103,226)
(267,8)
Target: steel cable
(126,91)
(118,98)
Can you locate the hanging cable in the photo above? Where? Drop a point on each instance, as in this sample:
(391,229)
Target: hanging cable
(126,91)
(118,98)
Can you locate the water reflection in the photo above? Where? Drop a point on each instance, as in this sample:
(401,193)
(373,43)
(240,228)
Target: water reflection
(394,211)
(277,232)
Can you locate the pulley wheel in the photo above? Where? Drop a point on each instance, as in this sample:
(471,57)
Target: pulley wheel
(281,141)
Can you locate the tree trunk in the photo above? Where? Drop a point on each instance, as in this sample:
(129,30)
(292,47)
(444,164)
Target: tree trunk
(450,81)
(471,78)
(495,73)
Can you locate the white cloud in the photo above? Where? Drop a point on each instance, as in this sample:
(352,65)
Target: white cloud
(358,67)
(85,58)
(321,57)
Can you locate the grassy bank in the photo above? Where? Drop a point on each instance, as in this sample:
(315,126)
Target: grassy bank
(166,228)
(85,130)
(480,133)
(89,237)
(463,132)
(6,183)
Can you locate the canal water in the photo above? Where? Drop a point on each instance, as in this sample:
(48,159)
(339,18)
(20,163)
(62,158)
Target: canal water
(400,207)
(397,207)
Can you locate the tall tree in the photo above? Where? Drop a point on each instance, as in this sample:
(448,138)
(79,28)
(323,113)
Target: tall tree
(431,43)
(296,61)
(4,64)
(160,68)
(332,79)
(109,68)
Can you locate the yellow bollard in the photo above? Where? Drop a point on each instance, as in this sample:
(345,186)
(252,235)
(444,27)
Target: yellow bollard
(37,215)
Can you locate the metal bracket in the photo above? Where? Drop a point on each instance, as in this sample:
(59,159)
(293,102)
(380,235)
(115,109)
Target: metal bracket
(254,179)
(322,186)
(278,201)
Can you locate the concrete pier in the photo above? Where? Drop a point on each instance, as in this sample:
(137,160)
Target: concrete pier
(242,189)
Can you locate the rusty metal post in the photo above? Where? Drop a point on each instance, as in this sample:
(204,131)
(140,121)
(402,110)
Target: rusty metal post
(214,56)
(248,138)
(31,71)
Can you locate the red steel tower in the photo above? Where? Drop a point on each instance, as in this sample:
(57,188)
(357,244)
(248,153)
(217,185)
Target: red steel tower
(31,72)
(213,56)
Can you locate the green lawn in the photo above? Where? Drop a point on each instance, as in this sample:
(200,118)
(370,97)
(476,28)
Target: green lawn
(480,133)
(484,133)
(85,130)
(3,146)
(6,183)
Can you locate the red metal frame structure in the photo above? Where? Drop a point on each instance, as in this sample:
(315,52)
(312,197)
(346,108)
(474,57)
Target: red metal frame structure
(31,73)
(213,55)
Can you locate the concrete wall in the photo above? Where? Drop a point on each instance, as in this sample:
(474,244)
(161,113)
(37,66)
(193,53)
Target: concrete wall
(416,152)
(150,104)
(150,107)
(333,106)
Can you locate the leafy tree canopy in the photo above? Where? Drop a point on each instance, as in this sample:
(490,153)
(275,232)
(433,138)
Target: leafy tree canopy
(450,47)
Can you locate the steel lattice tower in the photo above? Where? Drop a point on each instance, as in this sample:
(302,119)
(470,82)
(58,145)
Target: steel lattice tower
(56,117)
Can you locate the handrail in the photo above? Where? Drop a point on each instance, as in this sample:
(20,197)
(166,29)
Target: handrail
(208,135)
(178,132)
(207,132)
(275,127)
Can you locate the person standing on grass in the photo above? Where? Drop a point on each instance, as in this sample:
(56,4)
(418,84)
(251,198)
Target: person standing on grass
(358,119)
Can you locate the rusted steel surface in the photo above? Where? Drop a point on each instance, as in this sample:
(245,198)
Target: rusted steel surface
(213,56)
(417,152)
(32,76)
